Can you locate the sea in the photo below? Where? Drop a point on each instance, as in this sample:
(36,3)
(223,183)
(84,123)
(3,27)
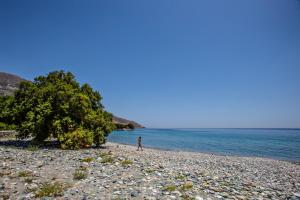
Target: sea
(282,144)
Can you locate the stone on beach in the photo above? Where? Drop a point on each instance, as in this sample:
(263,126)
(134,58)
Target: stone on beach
(151,174)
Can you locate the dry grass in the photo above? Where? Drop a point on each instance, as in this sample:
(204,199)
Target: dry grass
(51,190)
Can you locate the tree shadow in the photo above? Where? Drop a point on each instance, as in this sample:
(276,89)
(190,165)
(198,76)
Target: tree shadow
(28,143)
(49,144)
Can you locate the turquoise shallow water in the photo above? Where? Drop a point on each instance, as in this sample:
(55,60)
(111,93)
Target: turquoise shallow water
(272,143)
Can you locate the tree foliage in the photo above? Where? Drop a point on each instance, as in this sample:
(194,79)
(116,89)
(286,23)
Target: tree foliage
(57,106)
(120,126)
(6,116)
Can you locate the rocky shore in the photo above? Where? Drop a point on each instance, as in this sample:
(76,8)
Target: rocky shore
(120,172)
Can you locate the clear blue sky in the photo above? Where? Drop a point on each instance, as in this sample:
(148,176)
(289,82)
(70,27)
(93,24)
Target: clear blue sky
(166,63)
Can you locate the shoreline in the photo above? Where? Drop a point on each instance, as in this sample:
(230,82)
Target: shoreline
(208,153)
(118,171)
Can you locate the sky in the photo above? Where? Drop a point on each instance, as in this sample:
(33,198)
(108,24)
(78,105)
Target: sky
(166,63)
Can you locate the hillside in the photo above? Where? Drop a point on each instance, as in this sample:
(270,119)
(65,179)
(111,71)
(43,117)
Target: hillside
(122,121)
(9,83)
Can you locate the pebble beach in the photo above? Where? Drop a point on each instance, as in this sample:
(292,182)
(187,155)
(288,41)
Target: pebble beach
(118,171)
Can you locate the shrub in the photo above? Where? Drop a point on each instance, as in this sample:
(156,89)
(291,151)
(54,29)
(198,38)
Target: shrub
(107,159)
(51,190)
(88,159)
(79,174)
(187,186)
(126,162)
(103,154)
(79,138)
(180,176)
(83,168)
(169,188)
(25,174)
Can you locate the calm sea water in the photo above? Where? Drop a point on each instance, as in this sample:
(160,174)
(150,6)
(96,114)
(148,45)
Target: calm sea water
(272,143)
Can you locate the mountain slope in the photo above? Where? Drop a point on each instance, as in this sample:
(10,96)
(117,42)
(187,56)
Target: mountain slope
(119,120)
(9,83)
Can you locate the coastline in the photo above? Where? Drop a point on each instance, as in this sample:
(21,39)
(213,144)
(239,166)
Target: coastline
(279,144)
(207,153)
(148,174)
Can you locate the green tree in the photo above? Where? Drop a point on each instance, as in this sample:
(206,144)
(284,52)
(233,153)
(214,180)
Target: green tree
(6,116)
(130,126)
(57,106)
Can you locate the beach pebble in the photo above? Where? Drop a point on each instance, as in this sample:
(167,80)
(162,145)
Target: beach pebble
(151,174)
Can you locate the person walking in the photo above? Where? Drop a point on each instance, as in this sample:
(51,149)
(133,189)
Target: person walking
(139,143)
